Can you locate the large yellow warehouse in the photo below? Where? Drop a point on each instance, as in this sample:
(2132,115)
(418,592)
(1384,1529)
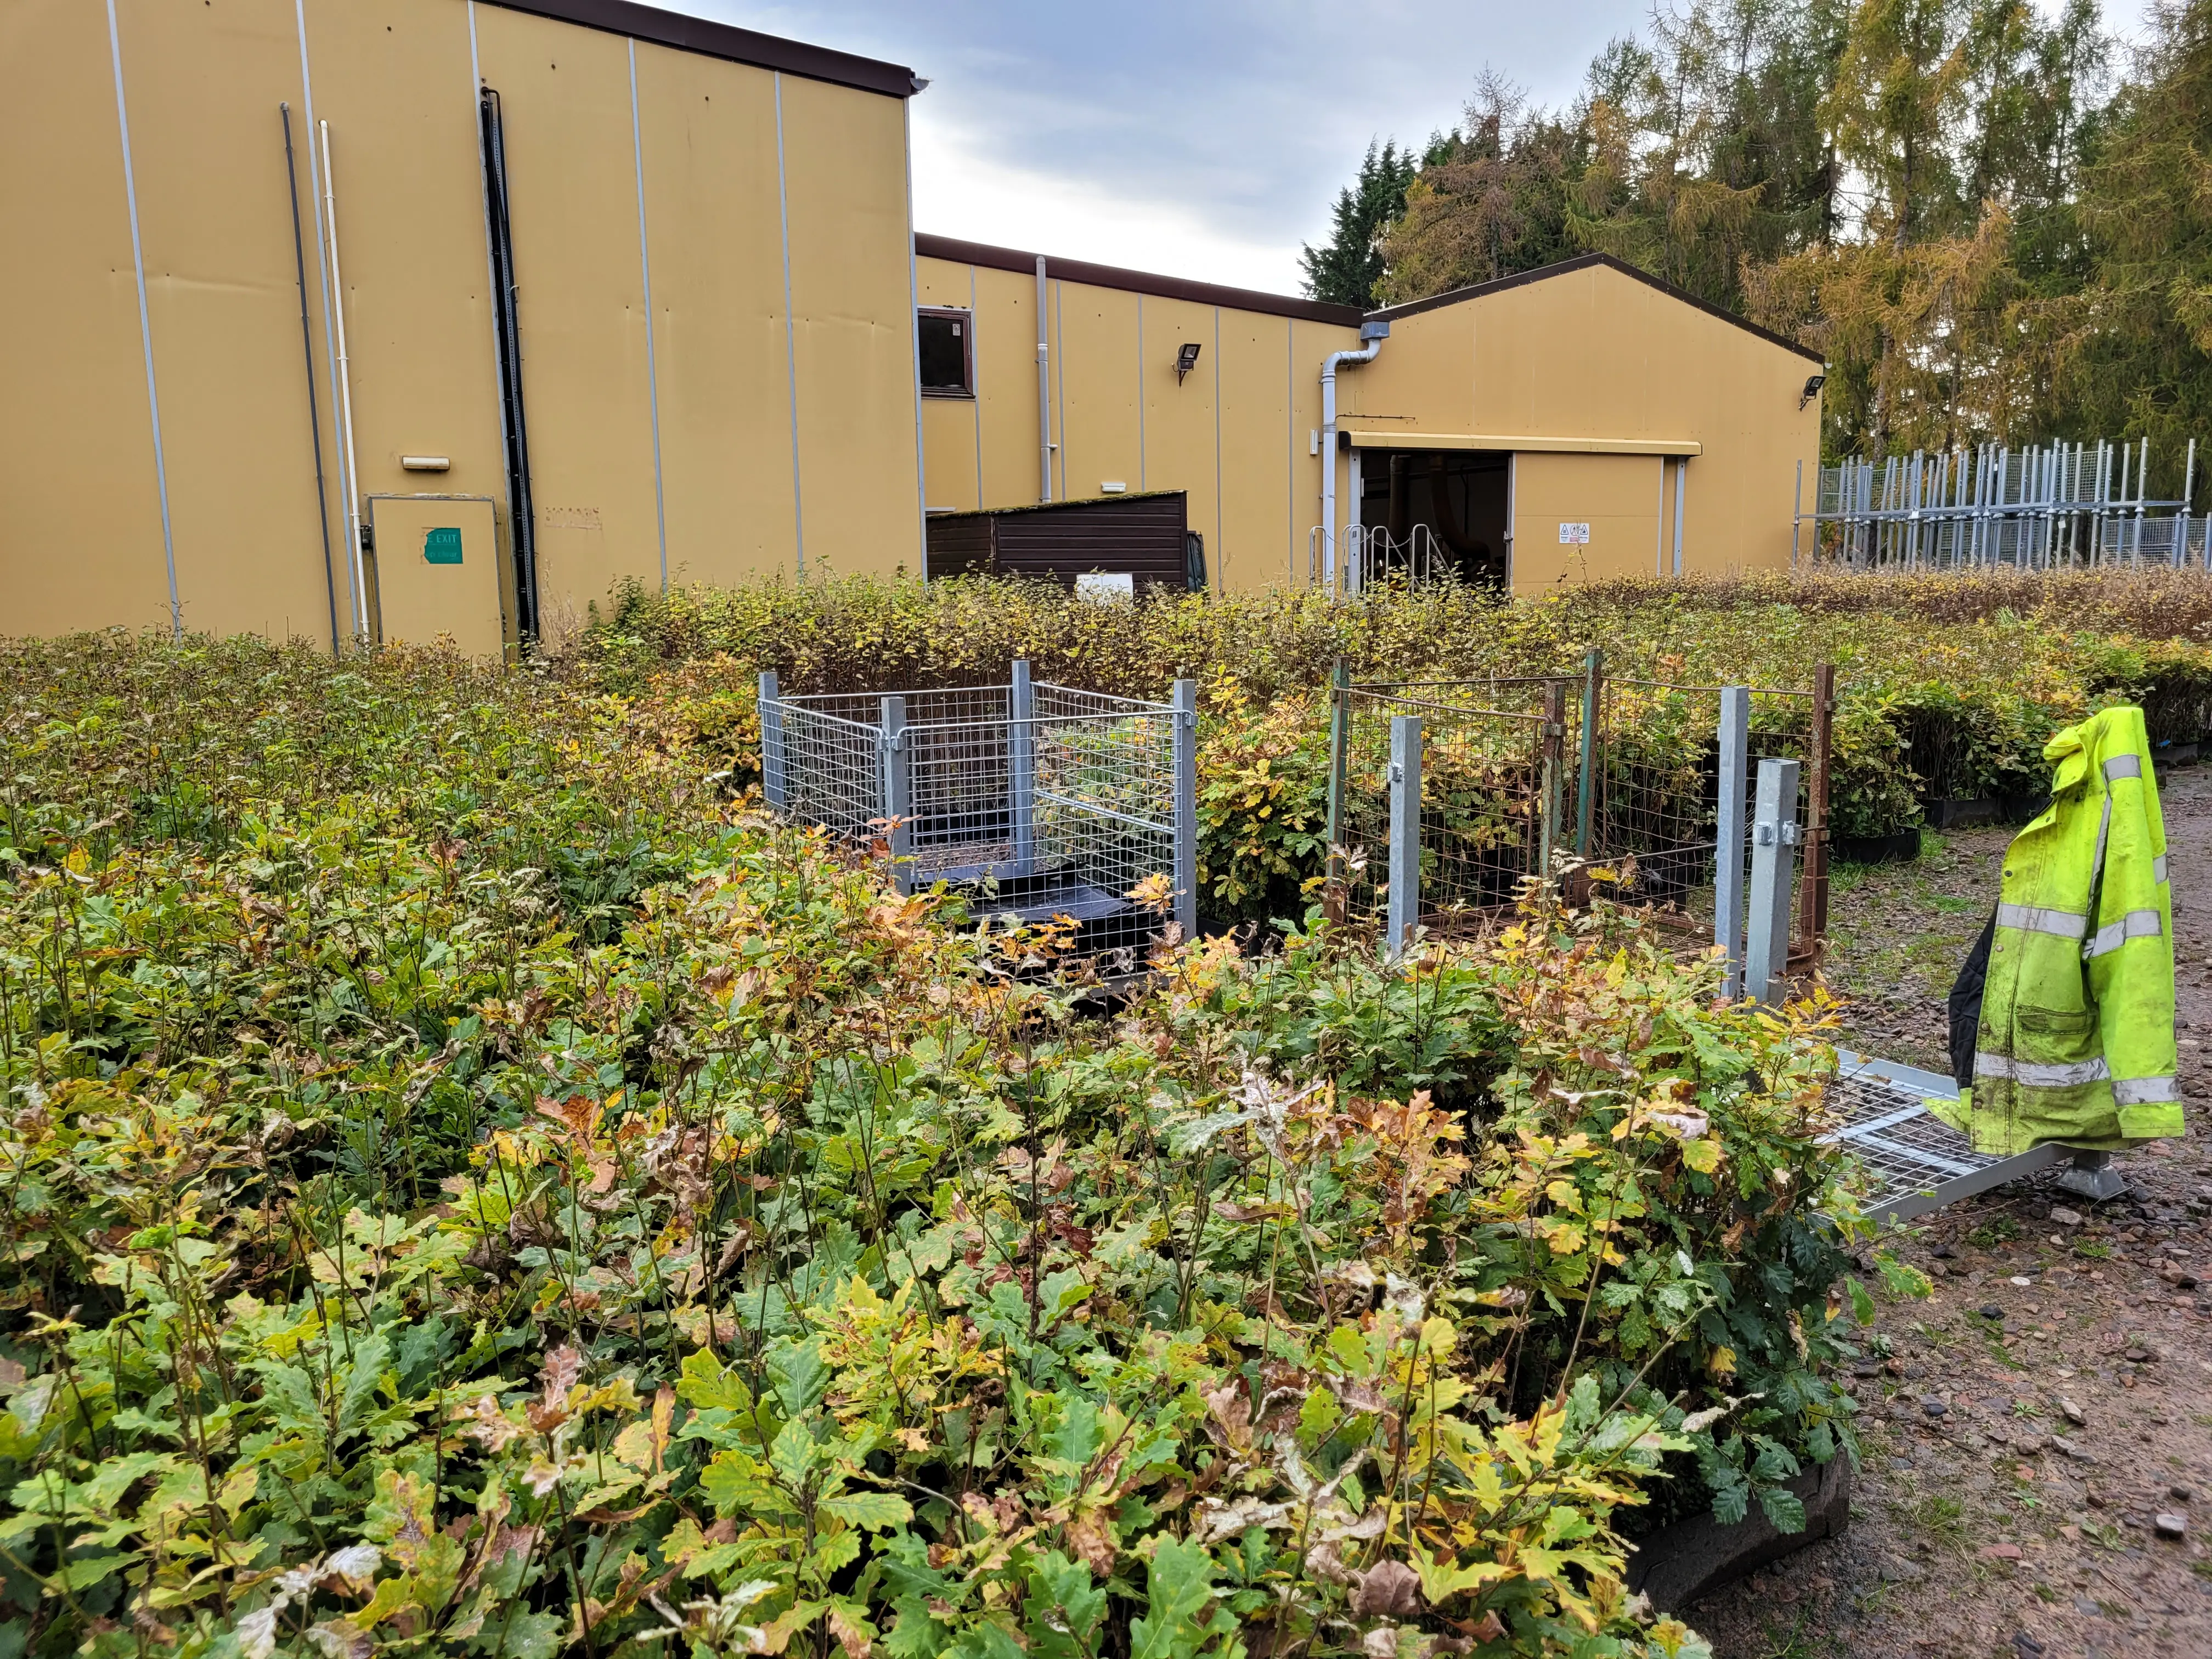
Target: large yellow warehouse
(391,319)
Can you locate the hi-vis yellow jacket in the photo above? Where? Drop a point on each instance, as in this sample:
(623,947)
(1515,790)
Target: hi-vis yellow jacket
(2076,1036)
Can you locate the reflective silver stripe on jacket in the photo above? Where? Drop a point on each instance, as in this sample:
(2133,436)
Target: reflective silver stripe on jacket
(2158,868)
(2040,1077)
(2136,924)
(2035,919)
(2104,830)
(2122,766)
(2144,1091)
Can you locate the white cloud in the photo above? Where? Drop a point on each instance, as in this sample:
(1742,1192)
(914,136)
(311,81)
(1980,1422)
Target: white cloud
(960,190)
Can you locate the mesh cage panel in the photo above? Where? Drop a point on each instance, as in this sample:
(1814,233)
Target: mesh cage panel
(1483,787)
(1067,811)
(1656,777)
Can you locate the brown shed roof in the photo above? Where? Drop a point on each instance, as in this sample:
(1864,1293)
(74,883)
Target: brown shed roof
(1136,282)
(698,35)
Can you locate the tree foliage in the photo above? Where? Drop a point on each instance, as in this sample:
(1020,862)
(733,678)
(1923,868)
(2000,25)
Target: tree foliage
(1988,234)
(1346,269)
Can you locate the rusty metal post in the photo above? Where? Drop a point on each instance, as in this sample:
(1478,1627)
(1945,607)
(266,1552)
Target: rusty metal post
(1555,740)
(1586,788)
(1813,900)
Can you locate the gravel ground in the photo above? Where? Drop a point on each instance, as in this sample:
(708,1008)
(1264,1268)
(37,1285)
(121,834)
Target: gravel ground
(2036,1428)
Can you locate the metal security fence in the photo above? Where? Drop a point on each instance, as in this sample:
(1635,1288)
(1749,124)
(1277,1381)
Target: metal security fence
(1447,796)
(2045,507)
(1036,800)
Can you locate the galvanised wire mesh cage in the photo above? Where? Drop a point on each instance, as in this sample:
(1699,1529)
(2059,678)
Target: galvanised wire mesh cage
(1482,784)
(1490,774)
(1654,773)
(1035,801)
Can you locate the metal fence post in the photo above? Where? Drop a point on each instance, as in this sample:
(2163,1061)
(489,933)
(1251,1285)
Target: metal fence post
(1555,737)
(1186,807)
(1728,848)
(1021,766)
(1405,907)
(1813,913)
(898,790)
(773,772)
(1586,794)
(1334,898)
(1773,835)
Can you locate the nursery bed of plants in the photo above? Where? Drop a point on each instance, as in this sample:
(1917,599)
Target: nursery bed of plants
(473,1186)
(1947,686)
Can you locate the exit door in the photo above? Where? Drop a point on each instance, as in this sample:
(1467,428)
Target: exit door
(435,571)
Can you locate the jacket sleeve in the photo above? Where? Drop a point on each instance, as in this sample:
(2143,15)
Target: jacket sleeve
(2130,948)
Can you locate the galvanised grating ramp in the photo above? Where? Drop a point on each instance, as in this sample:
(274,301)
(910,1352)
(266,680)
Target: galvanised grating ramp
(1914,1161)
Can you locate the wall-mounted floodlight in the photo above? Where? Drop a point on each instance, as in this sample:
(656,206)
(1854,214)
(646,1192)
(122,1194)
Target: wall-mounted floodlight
(1186,360)
(1813,385)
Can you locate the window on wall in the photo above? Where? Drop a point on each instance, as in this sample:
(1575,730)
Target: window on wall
(948,354)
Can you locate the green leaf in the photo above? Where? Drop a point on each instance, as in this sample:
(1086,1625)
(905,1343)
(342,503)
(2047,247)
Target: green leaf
(800,1377)
(526,1636)
(1074,1439)
(1863,1307)
(1178,1590)
(1063,1609)
(290,1395)
(370,1357)
(85,1571)
(708,1383)
(1783,1508)
(876,1511)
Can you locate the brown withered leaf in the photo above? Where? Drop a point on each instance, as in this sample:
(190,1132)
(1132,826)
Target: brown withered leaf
(1243,1213)
(1389,1589)
(1229,1416)
(1091,1539)
(559,1373)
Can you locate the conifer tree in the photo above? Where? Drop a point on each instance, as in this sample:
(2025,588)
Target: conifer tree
(1346,269)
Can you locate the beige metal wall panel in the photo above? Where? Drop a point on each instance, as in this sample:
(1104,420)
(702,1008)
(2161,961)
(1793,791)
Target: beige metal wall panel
(1617,496)
(952,428)
(712,218)
(1006,384)
(1181,434)
(573,182)
(214,218)
(391,78)
(80,517)
(853,301)
(1249,547)
(1099,394)
(437,572)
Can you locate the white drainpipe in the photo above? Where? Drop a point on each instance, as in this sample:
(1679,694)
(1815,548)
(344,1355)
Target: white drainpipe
(1374,332)
(1044,387)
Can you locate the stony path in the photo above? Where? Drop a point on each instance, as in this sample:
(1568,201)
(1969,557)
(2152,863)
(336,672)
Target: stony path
(2028,1425)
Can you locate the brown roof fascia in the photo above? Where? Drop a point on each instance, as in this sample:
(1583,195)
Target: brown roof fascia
(1584,261)
(941,514)
(712,39)
(1135,281)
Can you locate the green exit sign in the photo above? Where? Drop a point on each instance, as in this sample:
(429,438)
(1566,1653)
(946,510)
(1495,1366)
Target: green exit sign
(441,546)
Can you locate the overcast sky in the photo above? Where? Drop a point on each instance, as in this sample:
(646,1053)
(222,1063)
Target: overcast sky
(1204,138)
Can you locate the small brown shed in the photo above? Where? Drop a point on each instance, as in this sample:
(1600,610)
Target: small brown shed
(1144,537)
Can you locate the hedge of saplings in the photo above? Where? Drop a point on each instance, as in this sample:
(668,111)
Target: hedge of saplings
(474,1186)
